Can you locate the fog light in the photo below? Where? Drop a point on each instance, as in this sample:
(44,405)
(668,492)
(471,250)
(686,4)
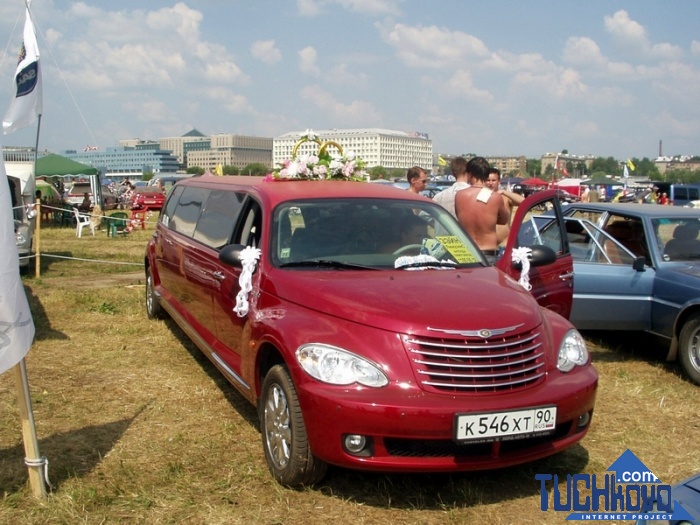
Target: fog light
(584,419)
(354,443)
(357,445)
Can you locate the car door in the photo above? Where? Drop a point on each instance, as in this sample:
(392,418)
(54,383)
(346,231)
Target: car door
(613,288)
(552,284)
(231,328)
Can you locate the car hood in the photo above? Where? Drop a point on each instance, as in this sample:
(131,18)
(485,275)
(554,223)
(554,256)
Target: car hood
(410,301)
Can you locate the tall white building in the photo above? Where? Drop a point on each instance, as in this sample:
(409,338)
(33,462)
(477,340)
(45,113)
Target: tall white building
(376,147)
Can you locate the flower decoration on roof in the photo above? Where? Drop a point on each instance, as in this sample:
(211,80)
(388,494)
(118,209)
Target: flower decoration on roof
(329,163)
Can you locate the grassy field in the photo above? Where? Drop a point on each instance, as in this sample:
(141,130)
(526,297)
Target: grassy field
(139,428)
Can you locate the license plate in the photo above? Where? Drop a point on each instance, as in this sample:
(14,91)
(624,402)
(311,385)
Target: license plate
(503,426)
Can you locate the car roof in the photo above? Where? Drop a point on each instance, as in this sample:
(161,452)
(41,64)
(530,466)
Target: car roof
(277,191)
(641,210)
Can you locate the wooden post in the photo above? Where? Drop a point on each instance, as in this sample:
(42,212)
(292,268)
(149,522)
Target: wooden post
(35,463)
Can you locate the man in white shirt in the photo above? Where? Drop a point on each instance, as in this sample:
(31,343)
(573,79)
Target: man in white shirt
(446,198)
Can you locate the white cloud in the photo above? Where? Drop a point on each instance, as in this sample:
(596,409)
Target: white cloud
(340,75)
(266,51)
(583,51)
(307,61)
(434,47)
(461,85)
(634,36)
(367,7)
(695,47)
(355,113)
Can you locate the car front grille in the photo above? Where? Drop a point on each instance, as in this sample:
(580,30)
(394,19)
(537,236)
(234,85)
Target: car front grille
(488,360)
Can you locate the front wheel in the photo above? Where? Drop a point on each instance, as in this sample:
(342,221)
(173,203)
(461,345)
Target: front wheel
(690,348)
(285,441)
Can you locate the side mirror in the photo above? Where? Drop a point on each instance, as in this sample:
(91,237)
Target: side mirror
(231,254)
(639,264)
(541,255)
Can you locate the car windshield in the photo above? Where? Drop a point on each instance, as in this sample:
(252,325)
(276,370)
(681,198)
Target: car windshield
(369,233)
(678,238)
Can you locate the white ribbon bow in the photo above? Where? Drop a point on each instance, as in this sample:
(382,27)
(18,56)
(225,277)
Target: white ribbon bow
(521,255)
(249,259)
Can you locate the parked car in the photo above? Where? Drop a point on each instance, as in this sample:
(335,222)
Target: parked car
(685,504)
(147,198)
(637,267)
(77,190)
(369,330)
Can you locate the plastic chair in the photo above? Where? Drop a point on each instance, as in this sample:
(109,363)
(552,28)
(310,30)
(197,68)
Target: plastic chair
(82,220)
(118,223)
(138,217)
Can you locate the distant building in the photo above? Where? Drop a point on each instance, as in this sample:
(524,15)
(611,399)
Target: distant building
(578,162)
(376,147)
(231,150)
(193,140)
(133,161)
(665,164)
(509,166)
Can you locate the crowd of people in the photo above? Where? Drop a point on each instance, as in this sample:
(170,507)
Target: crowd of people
(475,200)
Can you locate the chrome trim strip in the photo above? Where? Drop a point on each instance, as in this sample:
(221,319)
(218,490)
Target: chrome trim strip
(475,347)
(477,333)
(489,365)
(484,385)
(477,356)
(481,376)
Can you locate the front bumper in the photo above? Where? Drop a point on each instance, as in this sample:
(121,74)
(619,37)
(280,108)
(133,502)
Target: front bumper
(411,430)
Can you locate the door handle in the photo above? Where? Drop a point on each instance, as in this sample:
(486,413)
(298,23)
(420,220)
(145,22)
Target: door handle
(566,276)
(219,276)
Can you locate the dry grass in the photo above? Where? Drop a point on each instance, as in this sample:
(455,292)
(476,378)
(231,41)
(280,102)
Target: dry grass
(139,428)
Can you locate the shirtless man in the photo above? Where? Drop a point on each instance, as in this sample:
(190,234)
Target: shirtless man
(510,198)
(479,210)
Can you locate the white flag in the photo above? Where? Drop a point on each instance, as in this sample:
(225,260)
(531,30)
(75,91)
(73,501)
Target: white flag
(16,323)
(26,107)
(625,172)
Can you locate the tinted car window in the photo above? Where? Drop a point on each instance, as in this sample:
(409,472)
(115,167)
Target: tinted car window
(188,209)
(218,218)
(373,233)
(170,206)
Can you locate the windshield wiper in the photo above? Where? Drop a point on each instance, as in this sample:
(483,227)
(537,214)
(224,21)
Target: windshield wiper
(326,263)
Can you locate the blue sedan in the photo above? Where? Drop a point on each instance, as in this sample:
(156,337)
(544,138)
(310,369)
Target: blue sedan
(637,267)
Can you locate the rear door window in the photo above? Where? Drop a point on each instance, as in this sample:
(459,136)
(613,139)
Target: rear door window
(218,218)
(189,207)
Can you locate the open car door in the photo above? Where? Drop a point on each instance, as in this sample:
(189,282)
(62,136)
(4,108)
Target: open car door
(538,224)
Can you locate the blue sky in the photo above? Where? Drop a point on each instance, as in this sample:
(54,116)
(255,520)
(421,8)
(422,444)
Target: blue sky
(607,78)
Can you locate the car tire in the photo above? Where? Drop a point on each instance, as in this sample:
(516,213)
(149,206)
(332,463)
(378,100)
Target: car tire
(690,348)
(153,307)
(284,436)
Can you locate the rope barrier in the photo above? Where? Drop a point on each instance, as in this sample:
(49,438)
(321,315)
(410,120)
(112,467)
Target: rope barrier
(43,464)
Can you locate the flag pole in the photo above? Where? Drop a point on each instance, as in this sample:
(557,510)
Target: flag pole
(37,229)
(37,465)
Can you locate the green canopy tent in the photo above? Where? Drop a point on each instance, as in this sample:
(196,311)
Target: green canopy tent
(53,165)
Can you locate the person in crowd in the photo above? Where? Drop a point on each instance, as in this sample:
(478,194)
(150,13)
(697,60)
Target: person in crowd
(479,210)
(411,230)
(593,195)
(86,204)
(417,179)
(664,199)
(510,199)
(446,197)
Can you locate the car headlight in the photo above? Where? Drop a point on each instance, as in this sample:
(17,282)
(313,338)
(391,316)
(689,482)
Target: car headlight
(572,352)
(339,367)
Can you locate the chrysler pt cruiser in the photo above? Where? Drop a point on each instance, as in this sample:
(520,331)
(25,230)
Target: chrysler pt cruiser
(367,327)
